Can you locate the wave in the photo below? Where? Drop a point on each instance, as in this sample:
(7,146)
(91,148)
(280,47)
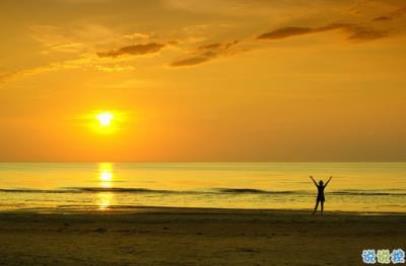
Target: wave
(24,190)
(369,193)
(253,191)
(120,189)
(146,190)
(214,191)
(89,190)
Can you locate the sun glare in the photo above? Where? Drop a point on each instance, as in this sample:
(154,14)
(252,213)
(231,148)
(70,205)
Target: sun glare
(105,119)
(106,174)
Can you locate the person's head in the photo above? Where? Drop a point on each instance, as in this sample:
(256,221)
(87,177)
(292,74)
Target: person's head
(321,183)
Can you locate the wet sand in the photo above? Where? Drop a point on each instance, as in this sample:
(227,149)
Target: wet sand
(174,236)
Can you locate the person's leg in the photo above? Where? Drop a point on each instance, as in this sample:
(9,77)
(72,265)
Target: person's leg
(322,206)
(315,207)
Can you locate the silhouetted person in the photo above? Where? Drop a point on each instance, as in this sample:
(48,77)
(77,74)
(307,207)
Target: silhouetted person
(320,193)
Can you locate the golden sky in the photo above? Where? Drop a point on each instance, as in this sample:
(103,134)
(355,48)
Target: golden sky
(214,80)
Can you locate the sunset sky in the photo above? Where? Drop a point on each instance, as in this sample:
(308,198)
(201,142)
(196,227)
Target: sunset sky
(213,80)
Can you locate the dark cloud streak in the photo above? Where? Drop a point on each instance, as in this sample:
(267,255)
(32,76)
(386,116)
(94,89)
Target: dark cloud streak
(138,49)
(194,60)
(393,15)
(206,53)
(382,18)
(355,32)
(364,34)
(285,33)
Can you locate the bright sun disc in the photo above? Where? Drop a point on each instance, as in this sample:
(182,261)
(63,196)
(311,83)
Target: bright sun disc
(105,118)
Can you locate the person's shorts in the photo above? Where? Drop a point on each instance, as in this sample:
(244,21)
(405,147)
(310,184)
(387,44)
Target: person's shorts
(321,199)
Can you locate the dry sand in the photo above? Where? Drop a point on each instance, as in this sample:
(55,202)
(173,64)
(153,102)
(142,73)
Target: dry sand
(173,236)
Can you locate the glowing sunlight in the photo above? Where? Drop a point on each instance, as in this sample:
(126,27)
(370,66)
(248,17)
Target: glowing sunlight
(106,175)
(105,119)
(104,122)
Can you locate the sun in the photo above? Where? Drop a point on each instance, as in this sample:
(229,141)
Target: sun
(105,119)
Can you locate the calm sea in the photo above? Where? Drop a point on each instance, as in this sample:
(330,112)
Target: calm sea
(362,187)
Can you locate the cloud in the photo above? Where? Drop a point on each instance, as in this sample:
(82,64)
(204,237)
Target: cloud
(392,15)
(94,40)
(138,49)
(206,53)
(56,39)
(194,60)
(382,18)
(364,34)
(286,32)
(366,29)
(354,31)
(75,38)
(88,62)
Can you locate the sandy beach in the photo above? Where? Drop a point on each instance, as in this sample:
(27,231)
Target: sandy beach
(188,236)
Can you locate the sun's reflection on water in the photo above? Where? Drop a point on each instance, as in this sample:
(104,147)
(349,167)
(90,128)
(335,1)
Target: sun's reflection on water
(106,175)
(106,179)
(104,200)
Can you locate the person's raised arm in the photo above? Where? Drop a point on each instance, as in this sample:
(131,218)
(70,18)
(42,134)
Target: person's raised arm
(314,181)
(328,181)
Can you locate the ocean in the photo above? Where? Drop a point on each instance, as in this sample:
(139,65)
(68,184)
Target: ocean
(358,187)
